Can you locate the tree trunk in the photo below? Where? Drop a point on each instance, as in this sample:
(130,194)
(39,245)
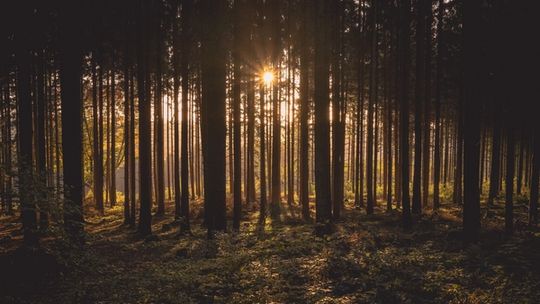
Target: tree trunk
(418,102)
(371,109)
(145,140)
(533,202)
(213,93)
(187,6)
(304,114)
(322,122)
(510,168)
(72,103)
(404,114)
(471,125)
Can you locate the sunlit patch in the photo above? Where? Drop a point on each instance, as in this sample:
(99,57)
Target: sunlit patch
(268,77)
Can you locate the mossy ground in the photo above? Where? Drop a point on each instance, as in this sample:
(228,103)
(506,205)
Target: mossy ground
(368,259)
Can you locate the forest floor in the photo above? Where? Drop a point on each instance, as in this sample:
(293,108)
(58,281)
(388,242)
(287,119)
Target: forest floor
(368,259)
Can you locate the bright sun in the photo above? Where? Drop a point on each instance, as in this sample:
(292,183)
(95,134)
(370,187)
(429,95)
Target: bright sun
(268,77)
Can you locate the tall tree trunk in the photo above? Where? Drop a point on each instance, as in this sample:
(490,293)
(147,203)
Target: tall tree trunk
(322,122)
(187,6)
(24,132)
(176,118)
(404,108)
(112,189)
(418,102)
(471,125)
(510,168)
(275,204)
(304,114)
(98,159)
(127,142)
(427,104)
(338,126)
(438,95)
(213,91)
(40,130)
(262,162)
(72,106)
(158,116)
(371,109)
(145,138)
(237,81)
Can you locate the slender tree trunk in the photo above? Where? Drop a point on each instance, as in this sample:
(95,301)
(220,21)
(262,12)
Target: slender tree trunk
(145,138)
(338,126)
(40,130)
(495,157)
(158,116)
(438,95)
(304,114)
(186,50)
(510,168)
(371,109)
(521,160)
(427,104)
(275,204)
(127,141)
(418,102)
(262,163)
(533,202)
(176,118)
(237,162)
(24,132)
(112,189)
(404,108)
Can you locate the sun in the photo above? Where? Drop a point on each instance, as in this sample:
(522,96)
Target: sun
(268,77)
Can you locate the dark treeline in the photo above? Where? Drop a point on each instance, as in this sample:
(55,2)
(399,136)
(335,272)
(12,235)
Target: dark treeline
(153,105)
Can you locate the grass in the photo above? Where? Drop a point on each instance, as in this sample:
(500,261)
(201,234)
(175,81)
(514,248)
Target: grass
(368,259)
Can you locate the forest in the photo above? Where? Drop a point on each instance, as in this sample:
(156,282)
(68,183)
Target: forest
(269,151)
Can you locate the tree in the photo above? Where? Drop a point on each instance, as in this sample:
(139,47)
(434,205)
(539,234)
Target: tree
(304,114)
(418,102)
(472,55)
(97,140)
(509,182)
(274,21)
(533,201)
(403,97)
(338,125)
(495,156)
(145,143)
(70,81)
(158,114)
(438,97)
(213,114)
(238,36)
(322,121)
(371,188)
(25,132)
(187,6)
